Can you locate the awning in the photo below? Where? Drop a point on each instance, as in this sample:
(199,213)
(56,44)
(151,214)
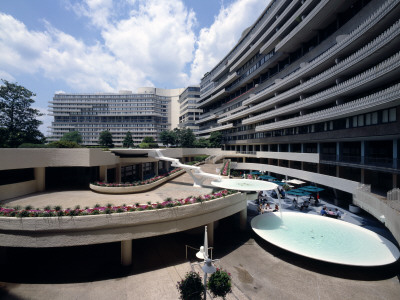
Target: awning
(267,177)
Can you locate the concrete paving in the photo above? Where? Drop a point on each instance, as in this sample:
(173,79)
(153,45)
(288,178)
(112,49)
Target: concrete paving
(259,270)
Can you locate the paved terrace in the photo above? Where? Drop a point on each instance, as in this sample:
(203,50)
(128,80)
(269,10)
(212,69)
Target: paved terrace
(259,270)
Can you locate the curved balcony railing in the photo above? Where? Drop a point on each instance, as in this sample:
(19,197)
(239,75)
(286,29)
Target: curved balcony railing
(363,79)
(373,101)
(268,35)
(362,28)
(356,58)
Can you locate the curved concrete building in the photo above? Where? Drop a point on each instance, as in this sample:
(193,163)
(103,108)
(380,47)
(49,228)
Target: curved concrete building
(312,91)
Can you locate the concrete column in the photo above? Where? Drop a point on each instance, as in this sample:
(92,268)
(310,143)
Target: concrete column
(103,173)
(362,175)
(40,178)
(338,151)
(126,253)
(244,159)
(394,181)
(210,234)
(302,148)
(118,173)
(362,152)
(338,171)
(394,154)
(140,171)
(156,168)
(243,219)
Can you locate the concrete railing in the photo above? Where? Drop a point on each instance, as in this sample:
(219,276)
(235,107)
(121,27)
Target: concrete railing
(380,208)
(43,232)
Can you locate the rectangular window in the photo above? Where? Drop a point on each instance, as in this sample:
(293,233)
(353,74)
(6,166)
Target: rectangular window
(368,119)
(347,122)
(375,118)
(361,120)
(355,121)
(385,116)
(392,115)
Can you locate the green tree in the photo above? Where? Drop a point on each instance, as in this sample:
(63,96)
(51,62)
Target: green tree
(18,123)
(148,142)
(201,143)
(215,139)
(72,136)
(168,137)
(187,138)
(105,139)
(128,141)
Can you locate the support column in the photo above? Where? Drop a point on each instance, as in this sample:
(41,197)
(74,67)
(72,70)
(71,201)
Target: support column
(394,181)
(362,175)
(40,178)
(103,173)
(140,171)
(126,253)
(118,173)
(394,154)
(243,219)
(156,168)
(210,234)
(362,152)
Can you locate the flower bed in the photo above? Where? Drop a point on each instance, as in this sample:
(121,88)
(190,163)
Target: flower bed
(109,209)
(225,170)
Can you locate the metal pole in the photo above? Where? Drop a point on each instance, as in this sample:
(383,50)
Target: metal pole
(205,285)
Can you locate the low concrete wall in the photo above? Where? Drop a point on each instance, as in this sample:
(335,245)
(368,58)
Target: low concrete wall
(380,209)
(96,229)
(133,189)
(8,191)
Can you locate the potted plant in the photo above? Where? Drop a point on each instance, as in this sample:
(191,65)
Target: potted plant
(191,287)
(220,283)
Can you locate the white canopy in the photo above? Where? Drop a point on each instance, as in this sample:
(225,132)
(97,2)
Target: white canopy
(295,181)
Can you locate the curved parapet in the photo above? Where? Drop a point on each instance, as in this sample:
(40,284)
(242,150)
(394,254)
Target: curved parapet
(65,231)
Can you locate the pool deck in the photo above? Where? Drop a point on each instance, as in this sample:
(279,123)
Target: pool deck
(259,270)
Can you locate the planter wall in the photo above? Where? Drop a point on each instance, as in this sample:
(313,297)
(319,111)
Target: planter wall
(133,189)
(97,229)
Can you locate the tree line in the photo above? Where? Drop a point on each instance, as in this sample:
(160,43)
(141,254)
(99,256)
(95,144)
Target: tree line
(19,127)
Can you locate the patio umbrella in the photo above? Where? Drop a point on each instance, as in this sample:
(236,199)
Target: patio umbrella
(255,173)
(266,177)
(279,182)
(310,188)
(297,193)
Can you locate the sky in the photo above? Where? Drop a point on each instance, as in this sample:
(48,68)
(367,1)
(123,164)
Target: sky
(91,46)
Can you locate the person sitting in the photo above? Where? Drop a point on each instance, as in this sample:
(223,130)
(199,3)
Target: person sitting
(260,209)
(323,211)
(305,204)
(338,213)
(276,208)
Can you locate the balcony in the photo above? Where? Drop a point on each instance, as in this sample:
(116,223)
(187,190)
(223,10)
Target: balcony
(381,162)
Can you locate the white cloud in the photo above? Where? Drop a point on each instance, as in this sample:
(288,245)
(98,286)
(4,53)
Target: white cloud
(150,46)
(215,42)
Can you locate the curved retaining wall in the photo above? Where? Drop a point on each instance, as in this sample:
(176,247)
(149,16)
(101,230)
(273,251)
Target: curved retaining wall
(96,229)
(133,189)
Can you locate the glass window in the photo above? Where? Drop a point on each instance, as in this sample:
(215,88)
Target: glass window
(375,117)
(392,115)
(361,120)
(368,119)
(385,116)
(347,123)
(355,121)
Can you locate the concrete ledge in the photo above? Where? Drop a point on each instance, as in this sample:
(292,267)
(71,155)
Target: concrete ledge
(134,189)
(96,229)
(8,191)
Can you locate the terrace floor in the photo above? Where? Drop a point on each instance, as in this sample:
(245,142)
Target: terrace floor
(259,269)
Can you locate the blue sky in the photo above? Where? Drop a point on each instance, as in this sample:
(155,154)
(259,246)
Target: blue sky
(110,45)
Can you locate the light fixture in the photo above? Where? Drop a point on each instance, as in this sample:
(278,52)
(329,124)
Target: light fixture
(201,254)
(208,268)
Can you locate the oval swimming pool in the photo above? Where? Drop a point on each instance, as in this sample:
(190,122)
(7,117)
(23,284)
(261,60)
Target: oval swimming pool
(325,239)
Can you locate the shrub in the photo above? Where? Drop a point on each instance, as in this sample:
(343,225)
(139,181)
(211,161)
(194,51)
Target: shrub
(220,283)
(63,144)
(191,287)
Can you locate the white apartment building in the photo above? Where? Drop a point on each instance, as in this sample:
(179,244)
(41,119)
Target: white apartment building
(145,113)
(189,113)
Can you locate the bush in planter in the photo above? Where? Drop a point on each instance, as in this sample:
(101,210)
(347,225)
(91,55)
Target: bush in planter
(220,283)
(191,287)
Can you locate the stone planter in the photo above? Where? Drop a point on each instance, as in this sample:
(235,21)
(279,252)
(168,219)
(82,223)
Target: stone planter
(105,228)
(133,189)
